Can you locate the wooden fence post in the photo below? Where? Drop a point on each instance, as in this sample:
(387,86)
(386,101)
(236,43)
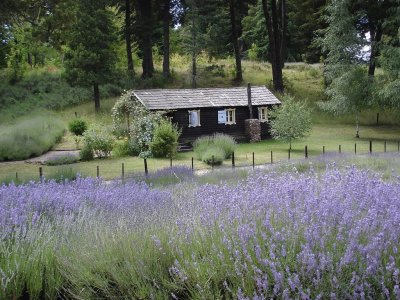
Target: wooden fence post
(289,154)
(370,146)
(170,162)
(97,171)
(323,150)
(41,174)
(253,160)
(233,160)
(272,158)
(340,148)
(306,152)
(384,146)
(355,148)
(146,170)
(212,162)
(16,176)
(398,146)
(123,171)
(192,164)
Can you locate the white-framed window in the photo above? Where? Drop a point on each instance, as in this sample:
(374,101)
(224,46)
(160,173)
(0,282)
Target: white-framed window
(194,118)
(263,114)
(230,116)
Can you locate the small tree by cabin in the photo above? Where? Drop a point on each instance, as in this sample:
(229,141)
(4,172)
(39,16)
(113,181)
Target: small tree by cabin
(290,121)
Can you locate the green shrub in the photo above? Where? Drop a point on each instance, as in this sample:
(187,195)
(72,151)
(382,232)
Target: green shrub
(29,137)
(121,149)
(165,139)
(225,142)
(219,140)
(213,155)
(62,174)
(86,154)
(77,126)
(100,140)
(201,144)
(62,160)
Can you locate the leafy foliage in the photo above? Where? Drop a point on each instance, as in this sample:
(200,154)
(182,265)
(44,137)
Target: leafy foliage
(165,139)
(77,126)
(132,118)
(99,140)
(290,121)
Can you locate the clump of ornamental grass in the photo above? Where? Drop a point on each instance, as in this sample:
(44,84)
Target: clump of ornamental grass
(219,145)
(270,235)
(29,137)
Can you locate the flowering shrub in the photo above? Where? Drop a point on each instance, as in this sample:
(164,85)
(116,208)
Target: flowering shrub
(132,119)
(282,236)
(99,140)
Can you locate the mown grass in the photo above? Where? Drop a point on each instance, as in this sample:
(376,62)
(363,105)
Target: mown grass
(330,136)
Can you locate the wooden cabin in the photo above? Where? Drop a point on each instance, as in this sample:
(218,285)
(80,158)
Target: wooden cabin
(205,111)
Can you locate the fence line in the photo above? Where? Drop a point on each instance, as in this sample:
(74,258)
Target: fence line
(234,159)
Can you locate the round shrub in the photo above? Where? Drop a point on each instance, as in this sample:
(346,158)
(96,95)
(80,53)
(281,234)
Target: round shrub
(165,140)
(201,145)
(77,126)
(225,142)
(215,152)
(100,140)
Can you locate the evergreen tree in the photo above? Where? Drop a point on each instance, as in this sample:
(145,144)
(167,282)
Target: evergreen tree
(91,58)
(348,87)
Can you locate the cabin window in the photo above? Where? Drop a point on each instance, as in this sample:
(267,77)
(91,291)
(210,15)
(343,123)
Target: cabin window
(230,116)
(194,118)
(263,114)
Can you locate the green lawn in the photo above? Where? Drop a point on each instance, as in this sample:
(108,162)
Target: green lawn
(330,136)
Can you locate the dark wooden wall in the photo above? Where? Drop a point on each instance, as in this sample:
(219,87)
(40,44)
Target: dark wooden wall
(209,123)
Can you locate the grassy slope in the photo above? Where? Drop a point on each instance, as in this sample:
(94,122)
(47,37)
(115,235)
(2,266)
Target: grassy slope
(302,81)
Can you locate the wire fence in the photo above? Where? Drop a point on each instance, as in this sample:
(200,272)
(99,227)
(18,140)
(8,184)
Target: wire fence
(249,160)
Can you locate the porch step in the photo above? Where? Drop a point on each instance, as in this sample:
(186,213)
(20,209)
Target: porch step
(185,148)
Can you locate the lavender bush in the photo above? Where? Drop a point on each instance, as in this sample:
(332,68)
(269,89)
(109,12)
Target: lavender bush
(311,236)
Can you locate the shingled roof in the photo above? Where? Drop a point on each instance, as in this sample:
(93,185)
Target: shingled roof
(159,99)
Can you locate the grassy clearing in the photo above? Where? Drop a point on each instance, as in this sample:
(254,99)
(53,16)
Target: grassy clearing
(330,136)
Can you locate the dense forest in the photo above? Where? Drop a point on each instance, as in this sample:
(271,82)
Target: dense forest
(99,42)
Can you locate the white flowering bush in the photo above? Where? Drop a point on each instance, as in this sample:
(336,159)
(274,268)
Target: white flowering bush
(99,140)
(131,119)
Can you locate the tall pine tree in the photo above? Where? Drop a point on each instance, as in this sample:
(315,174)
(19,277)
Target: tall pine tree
(91,57)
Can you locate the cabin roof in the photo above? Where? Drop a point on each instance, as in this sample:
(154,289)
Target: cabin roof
(161,99)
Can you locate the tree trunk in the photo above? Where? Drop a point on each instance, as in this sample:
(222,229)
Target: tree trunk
(96,97)
(376,36)
(283,31)
(143,9)
(274,45)
(194,54)
(128,40)
(166,24)
(235,42)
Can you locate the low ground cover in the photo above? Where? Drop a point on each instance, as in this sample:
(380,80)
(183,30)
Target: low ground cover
(332,234)
(29,137)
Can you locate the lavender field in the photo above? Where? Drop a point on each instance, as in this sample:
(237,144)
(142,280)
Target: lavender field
(331,235)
